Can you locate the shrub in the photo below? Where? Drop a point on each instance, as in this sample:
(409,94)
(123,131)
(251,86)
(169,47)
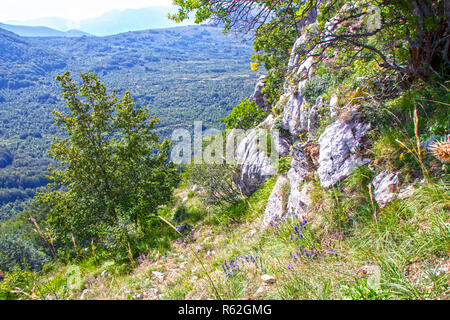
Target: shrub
(215,180)
(244,116)
(315,87)
(18,280)
(16,252)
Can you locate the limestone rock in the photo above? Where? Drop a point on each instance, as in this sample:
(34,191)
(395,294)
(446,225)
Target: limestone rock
(385,187)
(337,153)
(276,205)
(299,116)
(294,119)
(298,198)
(268,123)
(84,294)
(258,97)
(334,106)
(259,294)
(409,190)
(254,160)
(268,279)
(281,144)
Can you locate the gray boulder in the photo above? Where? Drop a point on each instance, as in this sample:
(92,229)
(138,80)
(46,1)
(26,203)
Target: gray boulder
(258,97)
(276,205)
(385,187)
(254,161)
(338,148)
(294,119)
(299,199)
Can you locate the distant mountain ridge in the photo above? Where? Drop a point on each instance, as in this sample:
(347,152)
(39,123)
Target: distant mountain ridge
(113,22)
(41,31)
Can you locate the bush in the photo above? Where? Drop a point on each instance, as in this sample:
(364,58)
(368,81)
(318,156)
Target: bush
(244,116)
(315,87)
(215,180)
(181,214)
(16,252)
(18,280)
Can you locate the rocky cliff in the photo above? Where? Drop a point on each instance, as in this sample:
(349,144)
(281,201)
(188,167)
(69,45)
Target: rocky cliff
(328,157)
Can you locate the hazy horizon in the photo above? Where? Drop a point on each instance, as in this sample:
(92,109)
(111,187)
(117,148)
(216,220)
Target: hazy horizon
(111,22)
(24,10)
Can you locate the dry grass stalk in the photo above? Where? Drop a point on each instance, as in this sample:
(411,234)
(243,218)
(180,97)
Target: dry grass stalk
(130,255)
(75,247)
(419,150)
(48,241)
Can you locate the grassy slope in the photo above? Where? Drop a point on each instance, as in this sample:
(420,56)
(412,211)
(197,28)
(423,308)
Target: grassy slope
(408,243)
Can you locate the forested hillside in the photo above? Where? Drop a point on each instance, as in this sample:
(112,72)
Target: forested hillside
(181,74)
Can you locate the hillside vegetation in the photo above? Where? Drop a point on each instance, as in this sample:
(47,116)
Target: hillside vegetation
(181,74)
(339,188)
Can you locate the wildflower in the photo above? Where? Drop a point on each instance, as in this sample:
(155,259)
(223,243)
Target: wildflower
(254,66)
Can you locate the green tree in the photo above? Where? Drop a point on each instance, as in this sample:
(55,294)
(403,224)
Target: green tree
(113,173)
(244,116)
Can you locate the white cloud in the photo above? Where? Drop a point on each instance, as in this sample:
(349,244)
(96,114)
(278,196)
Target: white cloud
(21,10)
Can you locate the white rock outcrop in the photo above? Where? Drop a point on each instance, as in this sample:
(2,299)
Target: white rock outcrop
(277,203)
(338,151)
(385,187)
(255,162)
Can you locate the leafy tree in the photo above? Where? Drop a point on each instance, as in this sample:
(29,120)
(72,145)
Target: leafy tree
(113,173)
(244,116)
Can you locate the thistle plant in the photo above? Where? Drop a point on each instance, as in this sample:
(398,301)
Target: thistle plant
(441,149)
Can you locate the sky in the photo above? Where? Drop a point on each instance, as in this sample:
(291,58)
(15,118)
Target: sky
(21,10)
